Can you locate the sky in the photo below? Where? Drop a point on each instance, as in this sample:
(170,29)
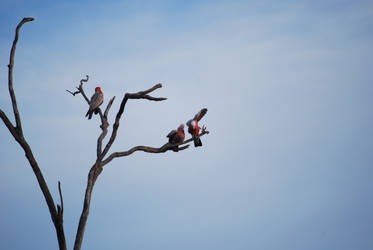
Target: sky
(288,87)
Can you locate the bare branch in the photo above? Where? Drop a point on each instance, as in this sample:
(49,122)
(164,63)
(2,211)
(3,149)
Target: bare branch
(162,149)
(84,80)
(80,89)
(92,177)
(44,188)
(10,75)
(104,126)
(145,92)
(138,95)
(150,98)
(73,93)
(18,136)
(59,226)
(108,107)
(97,167)
(61,199)
(8,124)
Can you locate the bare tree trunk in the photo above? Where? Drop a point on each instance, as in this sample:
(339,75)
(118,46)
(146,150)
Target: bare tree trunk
(17,132)
(92,177)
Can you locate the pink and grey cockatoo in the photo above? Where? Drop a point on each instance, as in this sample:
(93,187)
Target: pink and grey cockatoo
(176,136)
(193,127)
(96,100)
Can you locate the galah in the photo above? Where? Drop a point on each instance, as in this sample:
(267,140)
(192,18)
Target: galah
(176,136)
(193,127)
(96,100)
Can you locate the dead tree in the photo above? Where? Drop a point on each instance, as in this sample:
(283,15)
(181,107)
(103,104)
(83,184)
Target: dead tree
(103,158)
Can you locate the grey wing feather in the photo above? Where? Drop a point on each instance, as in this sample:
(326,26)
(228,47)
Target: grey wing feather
(96,101)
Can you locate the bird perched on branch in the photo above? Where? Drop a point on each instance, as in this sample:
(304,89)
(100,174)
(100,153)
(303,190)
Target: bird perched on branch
(193,127)
(96,100)
(176,136)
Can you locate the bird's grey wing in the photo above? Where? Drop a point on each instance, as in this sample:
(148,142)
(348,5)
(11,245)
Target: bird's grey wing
(96,100)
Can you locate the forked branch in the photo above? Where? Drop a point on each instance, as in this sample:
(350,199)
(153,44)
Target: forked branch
(103,116)
(80,89)
(138,95)
(96,169)
(17,133)
(162,149)
(104,126)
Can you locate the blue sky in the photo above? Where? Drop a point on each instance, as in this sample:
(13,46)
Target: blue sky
(288,162)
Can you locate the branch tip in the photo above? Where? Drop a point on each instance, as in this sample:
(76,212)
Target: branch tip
(28,19)
(60,192)
(84,80)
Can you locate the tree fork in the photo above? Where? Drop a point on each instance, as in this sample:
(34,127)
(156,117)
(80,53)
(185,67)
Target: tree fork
(17,133)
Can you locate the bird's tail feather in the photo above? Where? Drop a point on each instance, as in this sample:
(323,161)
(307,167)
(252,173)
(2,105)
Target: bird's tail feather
(197,142)
(89,114)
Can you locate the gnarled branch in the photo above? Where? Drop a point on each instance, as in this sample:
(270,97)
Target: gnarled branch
(17,133)
(80,89)
(138,95)
(104,122)
(96,169)
(166,147)
(104,126)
